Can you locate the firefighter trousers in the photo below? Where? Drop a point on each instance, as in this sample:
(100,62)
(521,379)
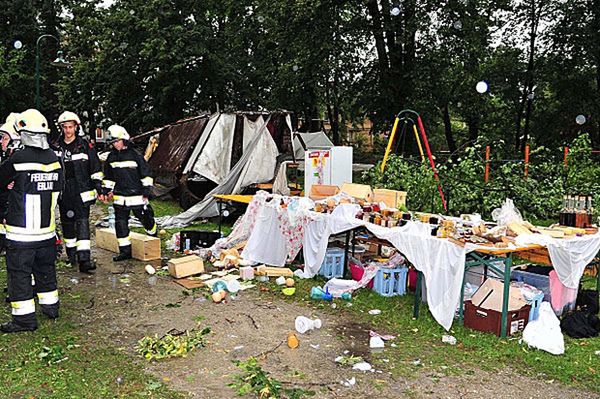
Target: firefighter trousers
(144,213)
(75,221)
(21,264)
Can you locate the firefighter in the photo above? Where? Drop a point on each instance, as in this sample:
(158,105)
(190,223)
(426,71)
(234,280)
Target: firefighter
(83,182)
(127,182)
(30,227)
(10,142)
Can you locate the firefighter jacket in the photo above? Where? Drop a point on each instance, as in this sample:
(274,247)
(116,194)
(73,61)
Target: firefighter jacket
(38,179)
(128,176)
(81,167)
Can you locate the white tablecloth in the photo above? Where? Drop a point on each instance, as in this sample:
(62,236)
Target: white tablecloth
(441,262)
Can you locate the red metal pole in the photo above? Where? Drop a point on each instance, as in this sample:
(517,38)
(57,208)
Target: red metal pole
(566,153)
(435,174)
(526,161)
(487,163)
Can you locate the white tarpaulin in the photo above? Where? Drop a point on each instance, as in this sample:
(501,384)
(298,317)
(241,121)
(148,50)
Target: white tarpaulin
(208,129)
(214,161)
(260,167)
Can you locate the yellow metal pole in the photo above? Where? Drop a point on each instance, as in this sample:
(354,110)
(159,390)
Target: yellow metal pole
(389,146)
(419,142)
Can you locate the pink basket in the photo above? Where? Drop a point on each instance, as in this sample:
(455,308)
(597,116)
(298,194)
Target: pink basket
(357,270)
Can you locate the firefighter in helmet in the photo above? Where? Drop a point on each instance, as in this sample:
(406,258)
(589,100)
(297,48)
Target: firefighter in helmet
(30,228)
(127,181)
(10,142)
(83,182)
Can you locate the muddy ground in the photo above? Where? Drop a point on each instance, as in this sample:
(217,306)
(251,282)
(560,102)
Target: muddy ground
(126,304)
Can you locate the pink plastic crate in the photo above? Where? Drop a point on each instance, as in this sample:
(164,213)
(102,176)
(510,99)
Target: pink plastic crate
(562,298)
(357,270)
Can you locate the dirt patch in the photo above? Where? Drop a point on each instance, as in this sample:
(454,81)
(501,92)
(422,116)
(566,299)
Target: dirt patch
(126,304)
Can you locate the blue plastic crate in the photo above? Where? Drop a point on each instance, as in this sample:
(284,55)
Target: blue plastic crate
(390,282)
(539,281)
(333,264)
(535,306)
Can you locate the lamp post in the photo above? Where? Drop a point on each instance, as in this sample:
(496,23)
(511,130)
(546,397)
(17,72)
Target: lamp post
(58,62)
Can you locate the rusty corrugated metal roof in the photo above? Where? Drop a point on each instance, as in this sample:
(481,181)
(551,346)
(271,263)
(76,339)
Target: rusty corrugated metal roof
(176,145)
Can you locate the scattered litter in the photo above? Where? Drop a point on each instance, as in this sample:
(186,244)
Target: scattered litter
(200,299)
(394,345)
(315,346)
(233,286)
(204,277)
(385,360)
(292,341)
(449,339)
(349,383)
(152,280)
(334,305)
(263,279)
(597,353)
(304,324)
(348,304)
(417,362)
(221,273)
(149,269)
(374,311)
(362,366)
(346,352)
(289,291)
(280,280)
(119,380)
(348,360)
(237,348)
(376,343)
(74,280)
(384,337)
(289,282)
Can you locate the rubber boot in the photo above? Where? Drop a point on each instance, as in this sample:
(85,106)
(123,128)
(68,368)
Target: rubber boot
(87,267)
(124,254)
(51,311)
(20,324)
(72,255)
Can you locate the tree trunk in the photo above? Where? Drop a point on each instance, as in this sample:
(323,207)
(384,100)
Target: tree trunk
(473,123)
(382,56)
(448,131)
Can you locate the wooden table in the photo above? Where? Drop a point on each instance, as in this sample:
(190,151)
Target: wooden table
(230,198)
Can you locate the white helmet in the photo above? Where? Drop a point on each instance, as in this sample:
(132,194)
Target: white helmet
(116,132)
(9,126)
(32,121)
(68,116)
(33,128)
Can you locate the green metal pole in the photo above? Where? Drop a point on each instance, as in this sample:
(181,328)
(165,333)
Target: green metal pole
(507,267)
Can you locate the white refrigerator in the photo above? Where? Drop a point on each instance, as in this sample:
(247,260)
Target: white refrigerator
(329,167)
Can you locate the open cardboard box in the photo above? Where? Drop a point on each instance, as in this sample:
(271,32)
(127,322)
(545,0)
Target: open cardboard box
(358,191)
(490,295)
(322,191)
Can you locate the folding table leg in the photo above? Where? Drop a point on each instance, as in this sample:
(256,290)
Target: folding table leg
(417,295)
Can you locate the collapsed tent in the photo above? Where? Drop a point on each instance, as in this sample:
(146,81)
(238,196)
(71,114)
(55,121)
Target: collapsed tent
(219,153)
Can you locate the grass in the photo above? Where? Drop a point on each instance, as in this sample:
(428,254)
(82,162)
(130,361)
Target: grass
(59,361)
(420,348)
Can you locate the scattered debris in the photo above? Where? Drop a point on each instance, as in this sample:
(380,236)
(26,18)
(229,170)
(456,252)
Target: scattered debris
(315,346)
(304,324)
(150,269)
(289,291)
(362,366)
(237,348)
(384,337)
(376,343)
(292,341)
(348,360)
(280,280)
(349,383)
(171,345)
(449,339)
(374,311)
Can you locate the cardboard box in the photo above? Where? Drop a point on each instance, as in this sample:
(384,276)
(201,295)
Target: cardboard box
(321,191)
(143,247)
(359,191)
(490,296)
(186,266)
(486,320)
(391,198)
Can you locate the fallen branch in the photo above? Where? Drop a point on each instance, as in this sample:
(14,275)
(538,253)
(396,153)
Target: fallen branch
(265,353)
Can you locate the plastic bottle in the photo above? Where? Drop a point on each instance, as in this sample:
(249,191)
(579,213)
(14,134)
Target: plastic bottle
(111,217)
(304,324)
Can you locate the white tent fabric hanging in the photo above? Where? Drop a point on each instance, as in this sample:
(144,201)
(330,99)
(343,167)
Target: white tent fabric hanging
(208,129)
(231,184)
(219,143)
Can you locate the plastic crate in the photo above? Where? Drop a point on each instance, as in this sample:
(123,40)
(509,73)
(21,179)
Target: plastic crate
(194,239)
(333,264)
(535,306)
(539,281)
(357,270)
(390,282)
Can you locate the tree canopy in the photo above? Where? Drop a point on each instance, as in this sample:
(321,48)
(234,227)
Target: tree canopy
(147,63)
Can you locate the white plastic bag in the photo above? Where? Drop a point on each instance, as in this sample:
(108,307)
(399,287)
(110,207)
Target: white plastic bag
(544,333)
(507,213)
